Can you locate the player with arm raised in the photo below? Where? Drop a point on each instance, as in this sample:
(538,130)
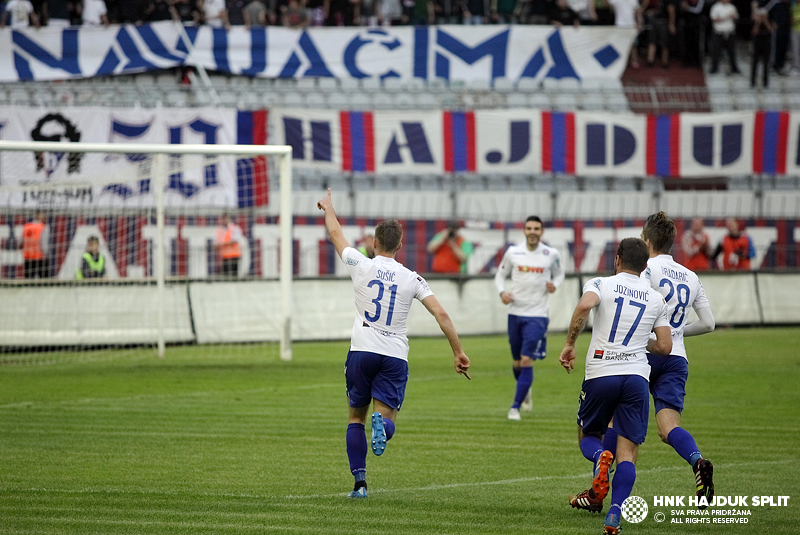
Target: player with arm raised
(682,290)
(627,310)
(535,271)
(376,369)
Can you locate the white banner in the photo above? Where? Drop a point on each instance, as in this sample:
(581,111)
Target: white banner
(84,178)
(450,52)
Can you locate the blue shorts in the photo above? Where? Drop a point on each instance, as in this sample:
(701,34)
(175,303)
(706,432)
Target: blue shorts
(622,397)
(668,377)
(527,336)
(370,375)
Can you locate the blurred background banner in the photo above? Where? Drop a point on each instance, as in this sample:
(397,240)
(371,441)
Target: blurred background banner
(448,52)
(194,180)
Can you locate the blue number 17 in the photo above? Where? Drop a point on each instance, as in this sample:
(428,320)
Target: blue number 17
(619,301)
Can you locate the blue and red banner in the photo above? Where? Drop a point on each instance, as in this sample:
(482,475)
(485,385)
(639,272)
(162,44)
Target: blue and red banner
(558,142)
(459,141)
(358,141)
(770,142)
(252,182)
(663,145)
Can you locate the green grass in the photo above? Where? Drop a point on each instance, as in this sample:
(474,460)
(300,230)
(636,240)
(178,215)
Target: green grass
(245,443)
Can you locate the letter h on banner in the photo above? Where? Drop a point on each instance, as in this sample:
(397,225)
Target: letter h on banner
(320,139)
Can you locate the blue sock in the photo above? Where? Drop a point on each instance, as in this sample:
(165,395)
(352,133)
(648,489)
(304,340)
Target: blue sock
(388,426)
(357,450)
(524,382)
(610,441)
(680,439)
(516,372)
(622,485)
(591,447)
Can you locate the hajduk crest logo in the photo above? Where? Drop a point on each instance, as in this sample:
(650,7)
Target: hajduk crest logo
(634,509)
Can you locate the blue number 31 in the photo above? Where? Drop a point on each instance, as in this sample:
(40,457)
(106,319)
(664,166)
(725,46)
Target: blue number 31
(377,301)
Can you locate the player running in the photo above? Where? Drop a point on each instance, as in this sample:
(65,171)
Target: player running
(377,364)
(682,290)
(536,272)
(615,383)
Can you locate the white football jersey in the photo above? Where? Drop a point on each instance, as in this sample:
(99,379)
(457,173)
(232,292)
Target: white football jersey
(530,271)
(384,291)
(681,289)
(628,312)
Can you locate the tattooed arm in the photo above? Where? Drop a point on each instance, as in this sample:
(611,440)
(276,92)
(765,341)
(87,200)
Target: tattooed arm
(579,318)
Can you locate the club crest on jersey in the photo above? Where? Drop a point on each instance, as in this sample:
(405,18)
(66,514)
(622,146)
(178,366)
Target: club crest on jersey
(546,252)
(598,353)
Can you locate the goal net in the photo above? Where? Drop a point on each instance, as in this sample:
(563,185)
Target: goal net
(145,248)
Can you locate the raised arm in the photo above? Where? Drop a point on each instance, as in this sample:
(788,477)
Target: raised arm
(588,301)
(461,361)
(332,224)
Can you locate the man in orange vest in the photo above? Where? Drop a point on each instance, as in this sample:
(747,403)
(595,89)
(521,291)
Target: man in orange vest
(736,247)
(229,234)
(35,243)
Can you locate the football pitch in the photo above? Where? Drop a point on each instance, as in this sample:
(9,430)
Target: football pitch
(245,443)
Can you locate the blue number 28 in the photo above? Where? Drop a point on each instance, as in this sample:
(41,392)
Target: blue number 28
(377,301)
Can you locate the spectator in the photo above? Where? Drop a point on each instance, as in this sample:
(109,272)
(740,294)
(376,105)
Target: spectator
(796,36)
(368,247)
(605,14)
(534,11)
(214,13)
(659,17)
(781,16)
(294,16)
(447,11)
(20,14)
(474,11)
(584,9)
(736,248)
(317,11)
(133,11)
(160,10)
(723,19)
(229,236)
(389,12)
(257,15)
(691,25)
(561,14)
(93,264)
(59,13)
(450,251)
(94,13)
(696,246)
(235,10)
(35,244)
(762,45)
(628,15)
(504,11)
(186,11)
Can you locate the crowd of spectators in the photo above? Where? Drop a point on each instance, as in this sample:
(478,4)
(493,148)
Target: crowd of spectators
(670,29)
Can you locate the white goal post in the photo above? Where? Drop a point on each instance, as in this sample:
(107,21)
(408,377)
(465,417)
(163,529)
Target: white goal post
(162,160)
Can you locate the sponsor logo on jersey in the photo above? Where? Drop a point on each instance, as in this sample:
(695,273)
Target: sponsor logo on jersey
(530,269)
(598,353)
(613,355)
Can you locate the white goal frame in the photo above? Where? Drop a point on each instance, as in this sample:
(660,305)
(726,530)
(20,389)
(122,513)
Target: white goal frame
(283,152)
